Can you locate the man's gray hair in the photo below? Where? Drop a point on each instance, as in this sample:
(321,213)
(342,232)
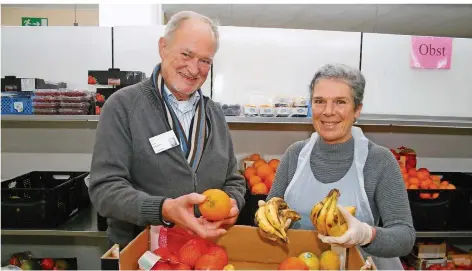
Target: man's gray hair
(182,16)
(351,76)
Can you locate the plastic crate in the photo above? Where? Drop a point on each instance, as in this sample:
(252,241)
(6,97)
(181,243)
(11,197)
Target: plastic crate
(41,199)
(17,104)
(451,210)
(248,212)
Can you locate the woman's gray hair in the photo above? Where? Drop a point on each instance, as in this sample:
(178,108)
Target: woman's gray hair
(351,76)
(179,17)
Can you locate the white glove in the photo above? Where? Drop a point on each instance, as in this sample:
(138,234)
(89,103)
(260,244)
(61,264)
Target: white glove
(358,233)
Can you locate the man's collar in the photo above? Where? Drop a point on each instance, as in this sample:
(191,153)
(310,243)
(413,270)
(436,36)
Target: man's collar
(193,98)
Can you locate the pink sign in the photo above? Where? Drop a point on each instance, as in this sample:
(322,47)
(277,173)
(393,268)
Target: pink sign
(431,52)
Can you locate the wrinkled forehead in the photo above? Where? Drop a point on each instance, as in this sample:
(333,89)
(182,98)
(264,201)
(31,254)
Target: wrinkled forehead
(195,36)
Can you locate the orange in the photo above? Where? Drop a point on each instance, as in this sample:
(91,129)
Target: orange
(435,195)
(254,179)
(264,171)
(260,189)
(249,172)
(254,157)
(412,172)
(274,164)
(414,180)
(259,163)
(451,186)
(425,195)
(403,169)
(424,185)
(433,186)
(269,180)
(406,184)
(216,205)
(292,263)
(413,186)
(422,175)
(406,176)
(436,178)
(444,183)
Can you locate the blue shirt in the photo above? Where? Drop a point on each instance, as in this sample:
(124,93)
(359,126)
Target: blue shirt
(184,110)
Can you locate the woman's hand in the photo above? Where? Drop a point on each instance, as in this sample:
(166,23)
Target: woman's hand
(358,233)
(181,212)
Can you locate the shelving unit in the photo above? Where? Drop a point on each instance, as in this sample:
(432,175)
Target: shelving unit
(365,120)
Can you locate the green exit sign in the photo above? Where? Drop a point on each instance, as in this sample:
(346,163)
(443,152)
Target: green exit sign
(31,21)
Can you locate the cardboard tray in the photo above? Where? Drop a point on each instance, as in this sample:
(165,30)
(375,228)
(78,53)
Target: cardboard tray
(246,249)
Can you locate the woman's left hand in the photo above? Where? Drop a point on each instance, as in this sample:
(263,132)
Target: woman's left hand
(358,233)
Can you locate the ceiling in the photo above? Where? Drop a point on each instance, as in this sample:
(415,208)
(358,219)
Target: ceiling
(435,20)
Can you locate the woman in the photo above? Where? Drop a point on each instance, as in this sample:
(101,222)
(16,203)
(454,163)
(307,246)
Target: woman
(338,155)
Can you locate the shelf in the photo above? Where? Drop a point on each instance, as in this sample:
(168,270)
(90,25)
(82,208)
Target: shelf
(444,234)
(364,120)
(84,224)
(27,118)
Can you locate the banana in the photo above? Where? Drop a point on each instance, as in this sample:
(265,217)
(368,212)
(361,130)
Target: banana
(272,213)
(317,208)
(332,218)
(321,217)
(264,225)
(286,214)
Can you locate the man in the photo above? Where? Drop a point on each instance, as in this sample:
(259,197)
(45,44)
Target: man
(160,143)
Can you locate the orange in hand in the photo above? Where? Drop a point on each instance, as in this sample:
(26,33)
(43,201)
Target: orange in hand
(216,206)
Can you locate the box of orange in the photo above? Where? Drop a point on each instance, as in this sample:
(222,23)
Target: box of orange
(247,250)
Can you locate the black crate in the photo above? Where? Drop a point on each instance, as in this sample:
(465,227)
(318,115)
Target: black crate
(247,213)
(41,199)
(451,210)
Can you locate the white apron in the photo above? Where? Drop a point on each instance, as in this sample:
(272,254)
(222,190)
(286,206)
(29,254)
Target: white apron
(304,191)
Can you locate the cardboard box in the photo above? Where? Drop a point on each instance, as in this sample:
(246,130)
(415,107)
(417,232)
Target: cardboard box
(423,264)
(429,251)
(246,249)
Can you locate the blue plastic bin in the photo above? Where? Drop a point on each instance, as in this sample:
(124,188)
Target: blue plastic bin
(17,103)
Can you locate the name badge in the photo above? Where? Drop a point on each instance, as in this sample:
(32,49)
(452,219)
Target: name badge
(163,141)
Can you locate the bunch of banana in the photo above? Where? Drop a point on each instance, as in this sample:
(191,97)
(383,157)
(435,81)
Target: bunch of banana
(326,217)
(274,218)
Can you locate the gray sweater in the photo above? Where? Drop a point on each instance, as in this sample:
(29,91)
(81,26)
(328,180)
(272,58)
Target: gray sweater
(128,181)
(384,187)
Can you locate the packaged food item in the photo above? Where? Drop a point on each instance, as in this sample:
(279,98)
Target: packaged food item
(266,110)
(47,92)
(74,99)
(299,111)
(283,111)
(45,99)
(251,110)
(231,109)
(301,101)
(74,105)
(72,111)
(406,157)
(40,105)
(45,111)
(74,93)
(282,101)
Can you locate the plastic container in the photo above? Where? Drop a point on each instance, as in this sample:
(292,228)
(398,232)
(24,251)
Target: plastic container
(74,105)
(74,99)
(45,99)
(74,93)
(231,109)
(45,111)
(16,104)
(47,92)
(44,105)
(41,199)
(72,111)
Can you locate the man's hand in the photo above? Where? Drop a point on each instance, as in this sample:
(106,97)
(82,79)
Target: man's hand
(233,214)
(181,212)
(358,233)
